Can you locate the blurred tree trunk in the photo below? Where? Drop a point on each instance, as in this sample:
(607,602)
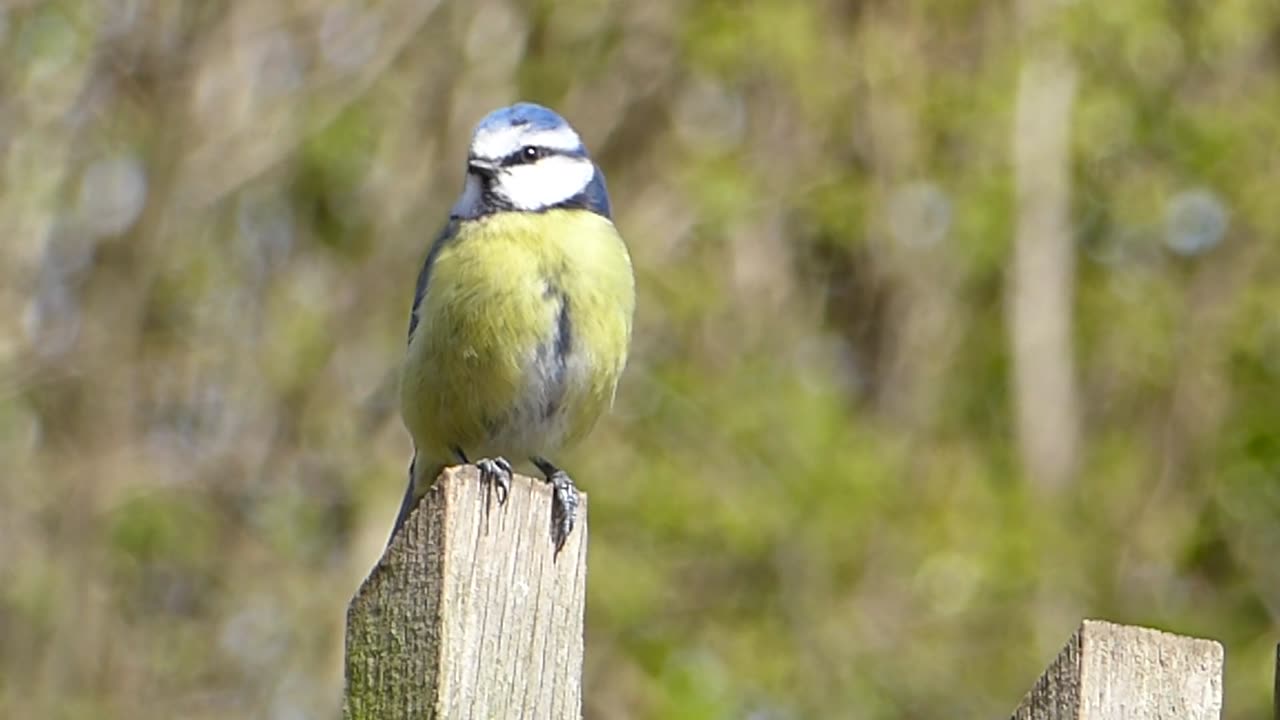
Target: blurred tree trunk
(909,233)
(1042,277)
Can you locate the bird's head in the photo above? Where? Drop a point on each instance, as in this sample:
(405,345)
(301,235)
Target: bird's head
(526,158)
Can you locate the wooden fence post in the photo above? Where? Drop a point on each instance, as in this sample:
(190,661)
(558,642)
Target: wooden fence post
(470,613)
(1119,672)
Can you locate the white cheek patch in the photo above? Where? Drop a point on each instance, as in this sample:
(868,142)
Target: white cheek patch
(542,184)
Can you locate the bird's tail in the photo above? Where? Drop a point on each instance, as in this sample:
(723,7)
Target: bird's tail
(413,492)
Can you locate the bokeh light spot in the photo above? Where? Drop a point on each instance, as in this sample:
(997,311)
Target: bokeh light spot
(113,192)
(1195,221)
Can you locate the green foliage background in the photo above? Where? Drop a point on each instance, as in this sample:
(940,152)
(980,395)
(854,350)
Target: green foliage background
(810,501)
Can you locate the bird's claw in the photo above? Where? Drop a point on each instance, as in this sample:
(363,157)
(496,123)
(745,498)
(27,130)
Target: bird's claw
(496,473)
(564,502)
(564,507)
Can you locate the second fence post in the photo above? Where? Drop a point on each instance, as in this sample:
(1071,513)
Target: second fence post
(1120,672)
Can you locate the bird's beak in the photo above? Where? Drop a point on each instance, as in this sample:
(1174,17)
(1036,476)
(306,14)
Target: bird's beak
(483,168)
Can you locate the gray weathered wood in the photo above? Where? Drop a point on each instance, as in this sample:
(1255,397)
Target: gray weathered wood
(470,613)
(1119,672)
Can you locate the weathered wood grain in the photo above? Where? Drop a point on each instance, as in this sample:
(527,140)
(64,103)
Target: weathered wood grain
(1119,672)
(470,613)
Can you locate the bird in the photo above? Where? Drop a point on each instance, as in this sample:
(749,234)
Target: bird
(522,314)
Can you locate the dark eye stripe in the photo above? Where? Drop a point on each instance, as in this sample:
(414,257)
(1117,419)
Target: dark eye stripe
(520,157)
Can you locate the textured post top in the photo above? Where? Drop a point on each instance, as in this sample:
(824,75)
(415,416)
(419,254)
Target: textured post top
(1120,672)
(470,613)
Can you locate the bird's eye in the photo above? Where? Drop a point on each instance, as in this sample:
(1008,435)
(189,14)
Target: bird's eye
(530,153)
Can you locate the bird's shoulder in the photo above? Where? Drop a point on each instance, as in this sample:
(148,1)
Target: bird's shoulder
(446,234)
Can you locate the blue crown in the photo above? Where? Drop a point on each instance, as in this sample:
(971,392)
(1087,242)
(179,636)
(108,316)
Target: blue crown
(523,113)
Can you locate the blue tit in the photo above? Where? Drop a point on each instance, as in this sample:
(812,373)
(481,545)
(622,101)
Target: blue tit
(522,313)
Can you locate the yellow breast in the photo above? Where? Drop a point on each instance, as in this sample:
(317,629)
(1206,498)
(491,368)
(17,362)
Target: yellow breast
(522,335)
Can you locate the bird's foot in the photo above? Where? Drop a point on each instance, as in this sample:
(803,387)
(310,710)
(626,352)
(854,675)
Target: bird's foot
(564,502)
(496,473)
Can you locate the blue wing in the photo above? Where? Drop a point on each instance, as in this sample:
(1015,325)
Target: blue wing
(446,234)
(424,275)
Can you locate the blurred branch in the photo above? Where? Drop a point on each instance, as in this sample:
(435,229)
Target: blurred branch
(1042,280)
(241,146)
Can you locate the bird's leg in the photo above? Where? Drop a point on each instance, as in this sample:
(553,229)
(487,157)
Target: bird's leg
(564,501)
(494,473)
